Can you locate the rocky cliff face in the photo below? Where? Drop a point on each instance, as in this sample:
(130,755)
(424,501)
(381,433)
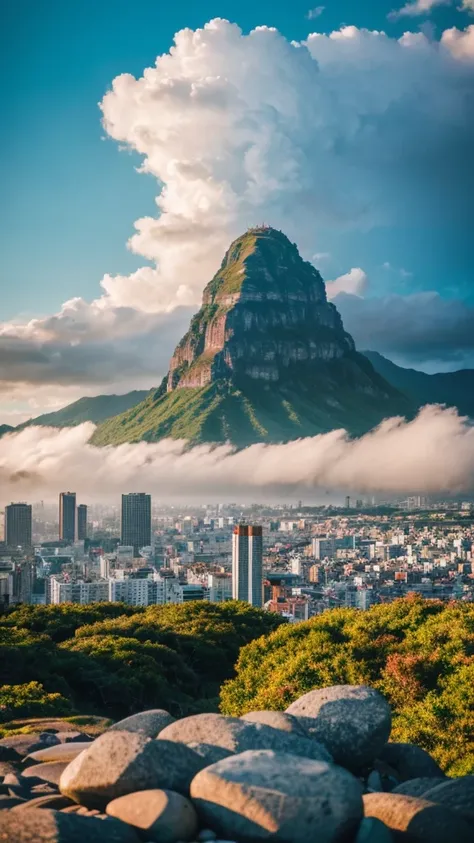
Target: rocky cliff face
(266,359)
(264,313)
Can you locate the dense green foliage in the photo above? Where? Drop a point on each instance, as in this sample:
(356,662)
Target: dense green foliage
(456,389)
(418,653)
(113,660)
(246,412)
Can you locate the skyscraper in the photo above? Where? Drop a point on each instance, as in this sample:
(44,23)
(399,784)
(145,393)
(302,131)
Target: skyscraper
(247,574)
(18,525)
(67,516)
(136,520)
(81,522)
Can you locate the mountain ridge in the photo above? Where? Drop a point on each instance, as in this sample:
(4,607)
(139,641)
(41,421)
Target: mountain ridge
(265,359)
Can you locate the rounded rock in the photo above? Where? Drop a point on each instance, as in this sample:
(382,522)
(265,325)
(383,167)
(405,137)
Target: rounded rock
(164,815)
(372,830)
(55,801)
(260,795)
(277,720)
(210,753)
(64,752)
(410,761)
(50,772)
(149,723)
(17,747)
(457,794)
(46,826)
(118,763)
(417,787)
(353,722)
(418,820)
(237,735)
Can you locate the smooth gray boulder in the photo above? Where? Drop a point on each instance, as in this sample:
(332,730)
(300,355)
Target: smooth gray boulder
(118,763)
(46,826)
(163,816)
(277,720)
(353,722)
(50,772)
(417,787)
(457,794)
(410,761)
(149,723)
(418,820)
(372,830)
(261,795)
(64,752)
(237,735)
(17,747)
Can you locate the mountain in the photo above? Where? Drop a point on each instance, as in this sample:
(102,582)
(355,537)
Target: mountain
(456,389)
(5,428)
(266,359)
(96,409)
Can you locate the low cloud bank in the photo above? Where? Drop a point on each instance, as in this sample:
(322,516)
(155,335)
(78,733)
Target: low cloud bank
(432,454)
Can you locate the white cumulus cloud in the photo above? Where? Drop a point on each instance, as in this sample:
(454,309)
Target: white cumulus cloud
(353,283)
(237,129)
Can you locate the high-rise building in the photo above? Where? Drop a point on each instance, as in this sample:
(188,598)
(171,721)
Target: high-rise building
(67,516)
(247,573)
(18,525)
(136,520)
(81,522)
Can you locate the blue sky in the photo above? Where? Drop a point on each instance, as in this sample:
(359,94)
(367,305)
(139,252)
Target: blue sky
(70,197)
(71,193)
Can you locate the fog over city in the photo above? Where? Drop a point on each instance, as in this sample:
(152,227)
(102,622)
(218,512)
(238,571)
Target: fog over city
(432,454)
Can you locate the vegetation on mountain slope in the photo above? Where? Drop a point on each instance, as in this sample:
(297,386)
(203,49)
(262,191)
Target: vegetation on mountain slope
(95,409)
(418,653)
(249,411)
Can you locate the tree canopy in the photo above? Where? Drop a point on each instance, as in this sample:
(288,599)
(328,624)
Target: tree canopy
(113,660)
(418,653)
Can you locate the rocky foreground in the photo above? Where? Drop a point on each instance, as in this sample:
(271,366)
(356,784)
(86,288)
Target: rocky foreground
(322,772)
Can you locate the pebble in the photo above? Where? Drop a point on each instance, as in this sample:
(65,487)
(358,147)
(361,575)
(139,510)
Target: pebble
(118,763)
(149,723)
(457,794)
(61,752)
(50,772)
(46,826)
(352,721)
(165,816)
(277,720)
(410,761)
(420,821)
(237,735)
(54,801)
(264,794)
(17,747)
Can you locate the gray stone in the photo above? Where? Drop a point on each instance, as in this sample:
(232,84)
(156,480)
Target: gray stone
(7,767)
(210,753)
(372,830)
(72,737)
(61,752)
(55,801)
(410,761)
(419,820)
(263,794)
(374,781)
(46,772)
(417,787)
(277,720)
(237,735)
(46,826)
(352,721)
(18,746)
(457,794)
(149,723)
(164,815)
(118,763)
(206,835)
